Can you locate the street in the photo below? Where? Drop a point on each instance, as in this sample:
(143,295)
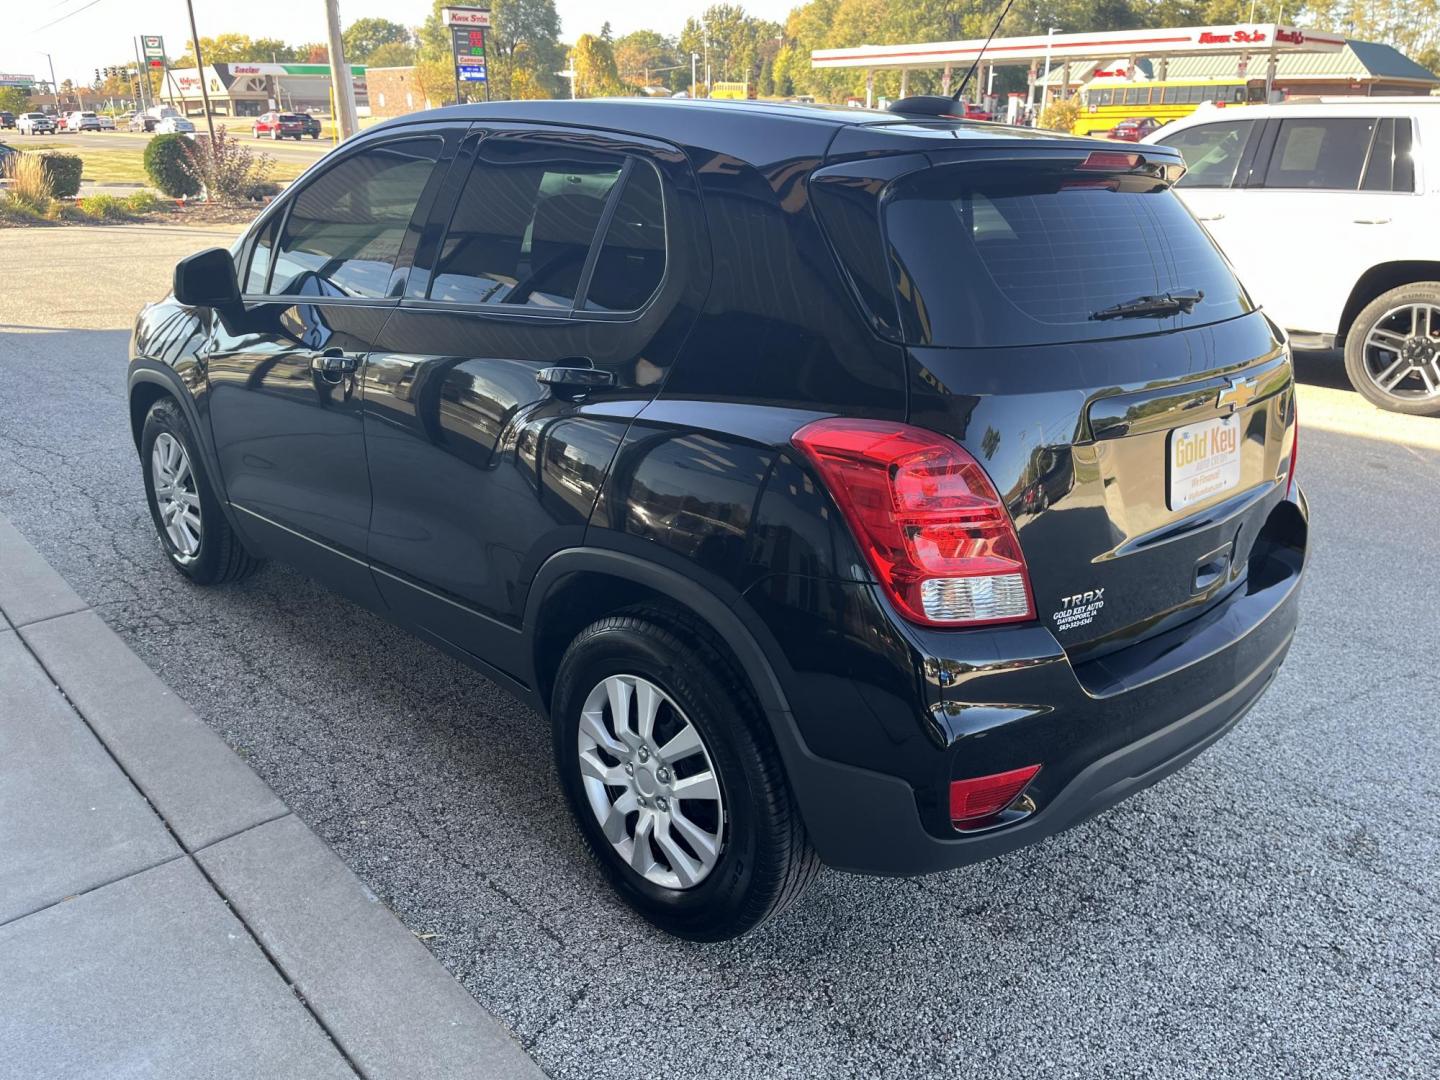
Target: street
(1274,909)
(301,153)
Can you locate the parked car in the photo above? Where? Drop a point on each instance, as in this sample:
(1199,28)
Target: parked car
(80,120)
(7,119)
(1134,129)
(734,481)
(107,122)
(1330,212)
(173,125)
(279,125)
(141,122)
(34,123)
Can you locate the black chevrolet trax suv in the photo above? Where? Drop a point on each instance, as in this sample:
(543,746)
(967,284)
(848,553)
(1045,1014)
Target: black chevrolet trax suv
(847,488)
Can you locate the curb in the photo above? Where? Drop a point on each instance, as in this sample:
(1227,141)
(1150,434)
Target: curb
(390,1008)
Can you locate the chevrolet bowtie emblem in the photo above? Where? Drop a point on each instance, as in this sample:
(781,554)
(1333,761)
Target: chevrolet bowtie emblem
(1237,395)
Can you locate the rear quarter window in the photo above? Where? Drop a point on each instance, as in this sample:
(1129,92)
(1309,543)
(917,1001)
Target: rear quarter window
(998,256)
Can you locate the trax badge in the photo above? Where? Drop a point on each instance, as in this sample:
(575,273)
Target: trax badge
(1079,610)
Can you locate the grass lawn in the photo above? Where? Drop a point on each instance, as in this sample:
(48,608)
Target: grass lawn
(125,165)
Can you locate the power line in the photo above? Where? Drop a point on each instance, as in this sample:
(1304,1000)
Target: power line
(62,18)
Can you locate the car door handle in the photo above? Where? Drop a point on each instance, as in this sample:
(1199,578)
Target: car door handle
(1372,221)
(1209,217)
(332,363)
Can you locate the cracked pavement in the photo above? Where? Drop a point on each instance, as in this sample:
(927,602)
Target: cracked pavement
(1272,909)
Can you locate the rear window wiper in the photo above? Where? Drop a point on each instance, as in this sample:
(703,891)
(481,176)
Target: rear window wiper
(1165,304)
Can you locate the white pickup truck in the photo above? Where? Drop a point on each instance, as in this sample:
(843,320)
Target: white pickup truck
(1329,210)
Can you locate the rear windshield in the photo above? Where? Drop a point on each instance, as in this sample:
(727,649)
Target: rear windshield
(290,118)
(999,256)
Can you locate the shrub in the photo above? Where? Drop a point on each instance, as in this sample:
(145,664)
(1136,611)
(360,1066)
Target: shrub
(141,202)
(64,172)
(226,169)
(102,208)
(30,180)
(21,211)
(1061,115)
(165,164)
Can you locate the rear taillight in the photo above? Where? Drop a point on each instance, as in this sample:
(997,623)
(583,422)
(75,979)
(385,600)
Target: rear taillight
(973,801)
(928,519)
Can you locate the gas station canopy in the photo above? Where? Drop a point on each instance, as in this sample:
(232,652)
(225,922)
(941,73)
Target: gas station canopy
(1240,39)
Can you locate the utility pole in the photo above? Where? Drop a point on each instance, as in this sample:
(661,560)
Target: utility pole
(346,118)
(54,86)
(200,71)
(694,86)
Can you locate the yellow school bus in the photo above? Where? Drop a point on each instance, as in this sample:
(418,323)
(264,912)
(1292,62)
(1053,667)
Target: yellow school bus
(1105,105)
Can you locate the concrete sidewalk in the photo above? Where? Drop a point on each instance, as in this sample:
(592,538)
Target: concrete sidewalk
(162,913)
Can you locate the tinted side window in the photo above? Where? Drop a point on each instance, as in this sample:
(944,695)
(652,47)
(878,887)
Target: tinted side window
(1322,153)
(260,258)
(524,223)
(1380,168)
(1211,152)
(632,258)
(1391,166)
(344,230)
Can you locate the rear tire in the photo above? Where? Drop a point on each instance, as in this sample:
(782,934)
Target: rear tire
(761,860)
(1392,351)
(200,544)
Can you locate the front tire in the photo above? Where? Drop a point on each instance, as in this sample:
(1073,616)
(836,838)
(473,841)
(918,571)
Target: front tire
(188,518)
(674,778)
(1392,351)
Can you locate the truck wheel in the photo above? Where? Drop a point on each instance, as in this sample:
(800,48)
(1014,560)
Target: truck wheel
(188,518)
(675,780)
(1392,352)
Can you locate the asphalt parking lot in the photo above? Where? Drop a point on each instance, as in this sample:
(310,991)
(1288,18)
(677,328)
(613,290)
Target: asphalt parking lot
(1274,909)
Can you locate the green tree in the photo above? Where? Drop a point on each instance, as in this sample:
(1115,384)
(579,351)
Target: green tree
(593,61)
(364,36)
(645,51)
(272,49)
(13,99)
(391,54)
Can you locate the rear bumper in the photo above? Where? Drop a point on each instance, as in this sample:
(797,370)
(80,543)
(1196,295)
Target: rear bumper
(1101,736)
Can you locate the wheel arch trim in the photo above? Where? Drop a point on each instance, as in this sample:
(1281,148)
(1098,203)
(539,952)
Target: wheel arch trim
(150,373)
(701,599)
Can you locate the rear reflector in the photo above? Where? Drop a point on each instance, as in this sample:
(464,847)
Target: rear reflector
(974,800)
(1294,444)
(928,519)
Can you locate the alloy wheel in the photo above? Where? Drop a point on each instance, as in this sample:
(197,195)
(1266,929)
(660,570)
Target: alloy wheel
(650,782)
(1402,352)
(177,500)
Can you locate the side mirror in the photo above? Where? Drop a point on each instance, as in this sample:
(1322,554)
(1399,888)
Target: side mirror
(207,279)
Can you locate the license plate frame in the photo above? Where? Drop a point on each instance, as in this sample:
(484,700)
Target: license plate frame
(1202,461)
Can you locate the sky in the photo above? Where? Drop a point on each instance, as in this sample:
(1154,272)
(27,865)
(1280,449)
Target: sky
(98,33)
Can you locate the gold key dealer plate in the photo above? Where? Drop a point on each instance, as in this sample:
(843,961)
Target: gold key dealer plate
(1204,460)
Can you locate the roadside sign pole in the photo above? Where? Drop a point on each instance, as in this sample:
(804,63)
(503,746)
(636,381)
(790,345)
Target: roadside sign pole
(200,71)
(142,73)
(468,58)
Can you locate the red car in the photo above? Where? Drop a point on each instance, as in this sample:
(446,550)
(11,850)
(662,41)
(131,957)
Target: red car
(279,125)
(1134,130)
